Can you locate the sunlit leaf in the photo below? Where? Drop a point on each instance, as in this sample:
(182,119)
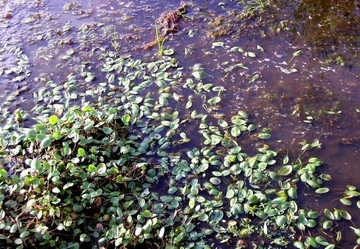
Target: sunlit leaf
(13,228)
(281,220)
(45,142)
(264,136)
(327,224)
(218,44)
(299,245)
(292,193)
(198,74)
(214,100)
(251,54)
(215,180)
(322,190)
(344,214)
(223,123)
(278,200)
(235,131)
(53,119)
(286,159)
(329,214)
(203,217)
(169,51)
(215,139)
(161,232)
(285,170)
(312,242)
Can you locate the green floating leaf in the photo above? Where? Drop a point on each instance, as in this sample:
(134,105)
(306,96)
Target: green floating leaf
(218,44)
(107,130)
(285,170)
(215,139)
(13,228)
(312,242)
(3,174)
(203,217)
(169,51)
(251,54)
(126,118)
(18,241)
(344,214)
(161,232)
(230,193)
(235,131)
(327,224)
(30,134)
(172,190)
(81,152)
(321,240)
(57,135)
(329,214)
(325,177)
(45,142)
(214,100)
(217,215)
(322,190)
(311,223)
(299,245)
(264,136)
(275,176)
(331,246)
(286,159)
(215,180)
(352,193)
(292,193)
(313,214)
(223,123)
(281,220)
(192,202)
(279,200)
(35,164)
(198,74)
(345,201)
(166,198)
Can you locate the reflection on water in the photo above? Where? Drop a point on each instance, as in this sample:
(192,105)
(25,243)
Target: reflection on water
(305,95)
(331,28)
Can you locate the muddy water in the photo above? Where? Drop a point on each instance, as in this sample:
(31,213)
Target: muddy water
(300,61)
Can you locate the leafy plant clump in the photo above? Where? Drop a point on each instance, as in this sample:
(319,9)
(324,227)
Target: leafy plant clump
(77,179)
(122,170)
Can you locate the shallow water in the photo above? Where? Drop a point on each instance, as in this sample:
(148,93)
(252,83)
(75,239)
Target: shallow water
(280,88)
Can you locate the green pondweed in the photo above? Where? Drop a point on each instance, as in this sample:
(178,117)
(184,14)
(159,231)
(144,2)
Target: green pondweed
(96,172)
(160,40)
(114,41)
(253,7)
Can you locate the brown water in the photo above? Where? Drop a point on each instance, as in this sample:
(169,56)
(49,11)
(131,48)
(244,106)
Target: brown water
(319,86)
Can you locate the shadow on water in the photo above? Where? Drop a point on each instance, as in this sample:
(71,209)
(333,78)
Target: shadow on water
(310,94)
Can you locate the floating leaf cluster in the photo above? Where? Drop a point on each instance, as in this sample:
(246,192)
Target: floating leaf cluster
(144,157)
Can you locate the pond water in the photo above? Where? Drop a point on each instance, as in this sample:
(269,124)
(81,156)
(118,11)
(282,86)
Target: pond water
(292,65)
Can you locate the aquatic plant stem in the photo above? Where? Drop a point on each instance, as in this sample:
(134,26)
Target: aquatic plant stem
(160,40)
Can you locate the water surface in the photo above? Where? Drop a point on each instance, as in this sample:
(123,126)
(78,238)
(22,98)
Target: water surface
(299,60)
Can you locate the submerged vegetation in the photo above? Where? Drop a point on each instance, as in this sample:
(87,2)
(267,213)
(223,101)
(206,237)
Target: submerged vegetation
(139,153)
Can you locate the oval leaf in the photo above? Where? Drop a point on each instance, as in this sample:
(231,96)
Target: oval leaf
(322,190)
(45,142)
(285,170)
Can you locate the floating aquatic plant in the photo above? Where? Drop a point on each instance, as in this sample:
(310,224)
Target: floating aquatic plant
(145,158)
